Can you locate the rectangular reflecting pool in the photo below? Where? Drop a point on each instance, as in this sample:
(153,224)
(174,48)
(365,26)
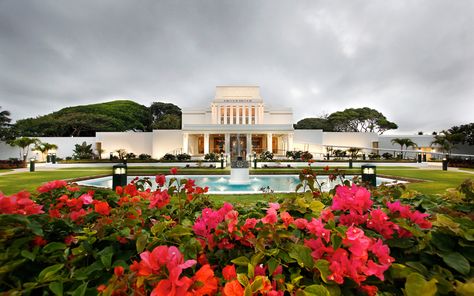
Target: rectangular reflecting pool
(257,184)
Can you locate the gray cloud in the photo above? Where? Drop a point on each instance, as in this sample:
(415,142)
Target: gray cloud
(411,60)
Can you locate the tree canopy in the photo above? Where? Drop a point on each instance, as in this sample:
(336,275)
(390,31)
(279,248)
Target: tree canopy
(86,120)
(463,134)
(165,116)
(5,125)
(350,120)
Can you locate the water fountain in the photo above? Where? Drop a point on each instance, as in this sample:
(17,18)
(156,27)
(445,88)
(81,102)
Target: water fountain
(239,168)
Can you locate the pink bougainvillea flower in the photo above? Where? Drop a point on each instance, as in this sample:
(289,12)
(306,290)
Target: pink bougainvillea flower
(316,227)
(300,223)
(47,187)
(286,218)
(351,198)
(86,199)
(378,221)
(369,290)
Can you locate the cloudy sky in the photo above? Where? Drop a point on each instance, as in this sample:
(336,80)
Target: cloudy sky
(411,60)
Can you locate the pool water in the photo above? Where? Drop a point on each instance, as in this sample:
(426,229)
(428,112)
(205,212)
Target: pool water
(221,185)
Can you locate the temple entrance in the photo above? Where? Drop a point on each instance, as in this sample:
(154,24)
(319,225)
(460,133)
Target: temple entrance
(217,143)
(238,146)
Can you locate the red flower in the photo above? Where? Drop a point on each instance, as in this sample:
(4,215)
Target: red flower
(286,218)
(173,171)
(326,168)
(102,207)
(233,289)
(19,203)
(51,186)
(160,180)
(159,199)
(351,198)
(39,241)
(101,288)
(118,271)
(369,290)
(205,283)
(229,272)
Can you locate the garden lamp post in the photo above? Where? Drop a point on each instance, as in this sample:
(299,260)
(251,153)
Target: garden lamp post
(53,158)
(255,160)
(424,157)
(32,164)
(369,174)
(119,176)
(222,160)
(419,157)
(350,163)
(445,163)
(48,158)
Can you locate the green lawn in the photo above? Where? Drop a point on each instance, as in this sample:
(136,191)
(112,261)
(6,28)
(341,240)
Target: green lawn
(437,181)
(5,170)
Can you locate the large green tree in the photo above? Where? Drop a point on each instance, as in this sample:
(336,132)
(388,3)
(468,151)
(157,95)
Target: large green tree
(360,120)
(463,134)
(349,120)
(5,126)
(165,116)
(86,120)
(315,123)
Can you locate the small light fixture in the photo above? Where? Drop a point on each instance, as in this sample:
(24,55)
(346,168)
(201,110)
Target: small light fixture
(369,174)
(119,177)
(32,164)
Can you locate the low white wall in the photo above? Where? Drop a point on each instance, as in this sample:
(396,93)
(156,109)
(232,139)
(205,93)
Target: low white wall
(135,142)
(349,139)
(65,145)
(309,140)
(166,141)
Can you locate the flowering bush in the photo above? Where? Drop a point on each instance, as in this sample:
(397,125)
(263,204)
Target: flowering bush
(175,241)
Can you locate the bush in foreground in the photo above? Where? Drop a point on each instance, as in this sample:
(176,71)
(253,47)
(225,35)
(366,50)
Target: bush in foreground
(174,241)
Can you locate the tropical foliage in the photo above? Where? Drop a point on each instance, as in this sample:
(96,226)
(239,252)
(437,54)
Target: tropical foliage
(5,131)
(83,151)
(403,142)
(350,120)
(23,144)
(172,240)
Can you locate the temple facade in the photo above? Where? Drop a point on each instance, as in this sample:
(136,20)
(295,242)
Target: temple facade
(237,122)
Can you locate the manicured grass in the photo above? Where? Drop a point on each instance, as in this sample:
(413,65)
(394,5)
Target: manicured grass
(13,183)
(5,170)
(437,181)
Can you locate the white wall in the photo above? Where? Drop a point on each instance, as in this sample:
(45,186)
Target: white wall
(65,145)
(385,141)
(136,142)
(308,140)
(166,141)
(278,116)
(349,139)
(195,116)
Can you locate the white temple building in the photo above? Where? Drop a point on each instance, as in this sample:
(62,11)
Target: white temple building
(237,122)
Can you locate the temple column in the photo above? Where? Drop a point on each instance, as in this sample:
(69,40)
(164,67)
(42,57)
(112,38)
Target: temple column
(237,114)
(227,143)
(249,109)
(185,143)
(249,145)
(218,114)
(269,142)
(231,115)
(206,143)
(225,114)
(289,145)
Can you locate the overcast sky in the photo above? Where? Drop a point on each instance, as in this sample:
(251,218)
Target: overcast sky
(411,60)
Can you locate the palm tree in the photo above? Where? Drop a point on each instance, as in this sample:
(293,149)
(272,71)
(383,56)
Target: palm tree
(24,144)
(403,142)
(44,148)
(4,117)
(443,141)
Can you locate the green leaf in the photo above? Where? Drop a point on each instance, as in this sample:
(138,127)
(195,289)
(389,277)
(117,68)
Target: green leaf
(416,285)
(316,206)
(49,272)
(243,279)
(250,270)
(272,265)
(457,261)
(106,256)
(54,246)
(56,288)
(241,261)
(302,254)
(400,271)
(248,291)
(28,255)
(465,289)
(323,267)
(316,290)
(81,290)
(255,260)
(257,284)
(141,242)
